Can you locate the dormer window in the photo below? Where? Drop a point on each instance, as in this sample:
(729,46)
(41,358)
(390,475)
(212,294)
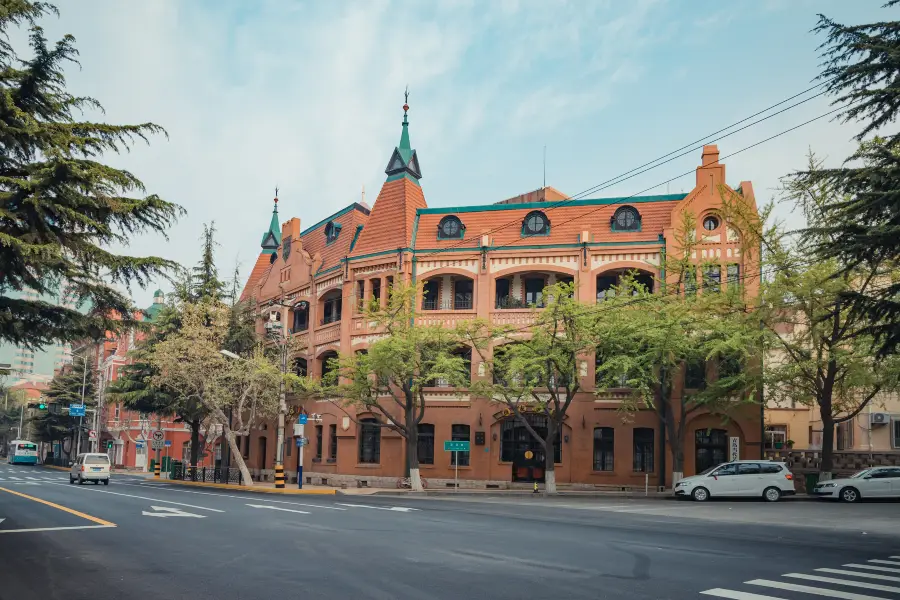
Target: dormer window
(451,228)
(535,223)
(332,231)
(626,218)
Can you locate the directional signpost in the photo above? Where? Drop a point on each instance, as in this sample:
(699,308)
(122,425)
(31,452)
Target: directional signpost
(456,447)
(76,410)
(157,442)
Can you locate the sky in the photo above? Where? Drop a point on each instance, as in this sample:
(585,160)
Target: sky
(307,96)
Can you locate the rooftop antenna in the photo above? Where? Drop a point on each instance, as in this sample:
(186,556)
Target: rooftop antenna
(364,193)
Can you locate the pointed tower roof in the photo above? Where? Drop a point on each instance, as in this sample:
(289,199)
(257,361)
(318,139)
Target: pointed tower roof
(390,224)
(404,163)
(271,239)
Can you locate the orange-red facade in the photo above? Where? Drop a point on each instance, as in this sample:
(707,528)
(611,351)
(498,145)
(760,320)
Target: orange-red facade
(488,261)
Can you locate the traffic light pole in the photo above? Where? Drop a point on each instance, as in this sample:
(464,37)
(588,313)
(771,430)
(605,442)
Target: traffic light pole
(81,418)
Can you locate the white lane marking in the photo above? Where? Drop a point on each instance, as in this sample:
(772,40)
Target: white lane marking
(144,498)
(847,582)
(736,595)
(884,562)
(302,512)
(15,478)
(872,568)
(392,508)
(171,489)
(812,590)
(56,528)
(168,511)
(3,519)
(33,478)
(859,574)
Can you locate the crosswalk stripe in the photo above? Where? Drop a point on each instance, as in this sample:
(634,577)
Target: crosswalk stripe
(872,567)
(812,590)
(32,478)
(884,562)
(859,574)
(15,478)
(736,595)
(847,582)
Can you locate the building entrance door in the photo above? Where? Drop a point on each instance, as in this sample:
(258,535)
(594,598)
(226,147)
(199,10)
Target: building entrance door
(710,448)
(523,450)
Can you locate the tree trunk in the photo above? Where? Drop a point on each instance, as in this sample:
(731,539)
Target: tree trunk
(195,442)
(236,453)
(677,463)
(827,442)
(412,458)
(549,470)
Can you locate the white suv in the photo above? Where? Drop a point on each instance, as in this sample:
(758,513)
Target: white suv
(764,479)
(90,466)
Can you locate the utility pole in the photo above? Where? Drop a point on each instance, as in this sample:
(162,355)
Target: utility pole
(81,418)
(282,409)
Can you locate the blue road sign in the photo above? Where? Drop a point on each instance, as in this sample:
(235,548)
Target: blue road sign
(304,418)
(139,444)
(168,443)
(76,410)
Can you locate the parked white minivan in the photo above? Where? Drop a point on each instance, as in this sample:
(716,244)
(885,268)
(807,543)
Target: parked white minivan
(90,466)
(764,479)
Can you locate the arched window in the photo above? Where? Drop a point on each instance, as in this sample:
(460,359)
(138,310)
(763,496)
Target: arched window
(301,316)
(626,218)
(332,231)
(535,223)
(451,228)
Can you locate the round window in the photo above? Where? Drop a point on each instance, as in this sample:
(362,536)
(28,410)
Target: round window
(710,223)
(626,219)
(535,224)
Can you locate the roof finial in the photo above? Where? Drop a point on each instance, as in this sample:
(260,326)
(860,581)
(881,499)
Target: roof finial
(276,194)
(405,105)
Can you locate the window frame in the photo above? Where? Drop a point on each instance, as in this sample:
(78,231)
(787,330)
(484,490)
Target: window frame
(332,232)
(643,451)
(456,435)
(425,443)
(545,230)
(622,210)
(332,443)
(320,433)
(712,217)
(369,433)
(770,429)
(461,228)
(604,457)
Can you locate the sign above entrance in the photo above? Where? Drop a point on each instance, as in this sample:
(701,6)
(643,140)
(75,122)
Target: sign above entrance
(734,448)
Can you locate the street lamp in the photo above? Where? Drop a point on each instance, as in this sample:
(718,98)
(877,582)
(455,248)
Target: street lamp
(226,452)
(275,331)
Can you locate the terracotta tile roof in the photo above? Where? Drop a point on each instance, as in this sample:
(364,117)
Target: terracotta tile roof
(503,222)
(314,237)
(256,275)
(391,223)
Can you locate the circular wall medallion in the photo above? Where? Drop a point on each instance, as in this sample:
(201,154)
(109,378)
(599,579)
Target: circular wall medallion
(529,454)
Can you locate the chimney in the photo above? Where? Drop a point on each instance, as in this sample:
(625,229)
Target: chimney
(710,155)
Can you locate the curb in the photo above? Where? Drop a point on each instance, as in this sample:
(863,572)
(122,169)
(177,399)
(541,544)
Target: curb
(565,494)
(260,490)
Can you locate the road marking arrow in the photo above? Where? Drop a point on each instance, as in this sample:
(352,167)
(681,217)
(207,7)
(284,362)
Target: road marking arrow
(166,511)
(3,519)
(302,512)
(393,508)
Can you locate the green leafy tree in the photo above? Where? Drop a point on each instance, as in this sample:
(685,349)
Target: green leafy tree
(60,207)
(821,352)
(537,370)
(680,356)
(389,379)
(190,364)
(73,383)
(860,227)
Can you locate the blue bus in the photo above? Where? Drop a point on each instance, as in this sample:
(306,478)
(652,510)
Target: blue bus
(21,452)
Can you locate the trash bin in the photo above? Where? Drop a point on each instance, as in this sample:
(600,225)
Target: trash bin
(811,480)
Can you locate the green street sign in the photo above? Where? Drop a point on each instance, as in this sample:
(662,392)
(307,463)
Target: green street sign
(456,446)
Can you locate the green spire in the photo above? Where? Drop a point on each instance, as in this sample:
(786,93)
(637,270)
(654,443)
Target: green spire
(271,239)
(404,162)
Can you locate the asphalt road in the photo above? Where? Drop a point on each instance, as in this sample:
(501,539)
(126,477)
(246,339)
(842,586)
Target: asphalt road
(140,539)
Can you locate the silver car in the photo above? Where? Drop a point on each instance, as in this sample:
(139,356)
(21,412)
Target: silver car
(875,482)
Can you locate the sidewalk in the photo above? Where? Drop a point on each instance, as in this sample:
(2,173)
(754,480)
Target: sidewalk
(265,487)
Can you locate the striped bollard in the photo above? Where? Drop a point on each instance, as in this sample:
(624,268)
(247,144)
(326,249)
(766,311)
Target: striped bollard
(279,476)
(156,470)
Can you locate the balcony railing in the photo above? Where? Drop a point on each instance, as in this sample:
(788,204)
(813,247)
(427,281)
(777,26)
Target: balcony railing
(513,302)
(330,319)
(462,303)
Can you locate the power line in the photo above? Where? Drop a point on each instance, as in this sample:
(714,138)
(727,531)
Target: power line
(669,158)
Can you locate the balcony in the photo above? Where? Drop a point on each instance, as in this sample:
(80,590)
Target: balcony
(457,303)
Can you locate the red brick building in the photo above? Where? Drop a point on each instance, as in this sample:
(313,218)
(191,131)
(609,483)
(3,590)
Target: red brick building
(489,261)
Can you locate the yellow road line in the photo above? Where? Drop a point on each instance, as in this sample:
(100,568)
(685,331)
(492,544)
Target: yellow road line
(62,508)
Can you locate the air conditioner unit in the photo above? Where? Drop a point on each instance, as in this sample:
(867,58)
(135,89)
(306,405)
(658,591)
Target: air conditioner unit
(879,418)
